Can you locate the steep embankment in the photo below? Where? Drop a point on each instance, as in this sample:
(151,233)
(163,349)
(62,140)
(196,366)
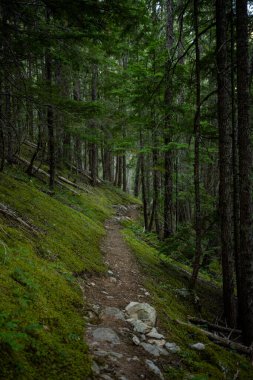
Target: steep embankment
(45,243)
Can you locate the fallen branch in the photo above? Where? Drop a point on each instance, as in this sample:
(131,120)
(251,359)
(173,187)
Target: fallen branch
(44,173)
(221,341)
(85,174)
(63,179)
(212,326)
(6,211)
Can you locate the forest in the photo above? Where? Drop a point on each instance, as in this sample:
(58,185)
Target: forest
(144,105)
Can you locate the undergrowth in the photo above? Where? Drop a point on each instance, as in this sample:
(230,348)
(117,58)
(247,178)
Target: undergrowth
(42,317)
(168,282)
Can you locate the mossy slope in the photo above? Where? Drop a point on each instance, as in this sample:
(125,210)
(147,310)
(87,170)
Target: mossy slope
(41,305)
(168,287)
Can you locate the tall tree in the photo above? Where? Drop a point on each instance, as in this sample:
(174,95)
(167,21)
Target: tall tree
(225,159)
(245,260)
(168,97)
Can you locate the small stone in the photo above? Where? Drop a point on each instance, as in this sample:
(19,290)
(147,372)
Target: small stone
(139,326)
(110,272)
(92,284)
(154,369)
(103,334)
(154,334)
(113,280)
(198,346)
(136,340)
(153,349)
(158,342)
(147,294)
(106,377)
(104,292)
(172,347)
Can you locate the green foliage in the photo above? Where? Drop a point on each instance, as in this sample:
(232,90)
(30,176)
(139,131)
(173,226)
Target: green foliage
(42,308)
(168,286)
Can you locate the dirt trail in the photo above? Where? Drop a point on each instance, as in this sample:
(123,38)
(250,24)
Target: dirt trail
(120,358)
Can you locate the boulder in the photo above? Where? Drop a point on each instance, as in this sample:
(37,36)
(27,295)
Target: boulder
(143,312)
(157,342)
(103,334)
(136,340)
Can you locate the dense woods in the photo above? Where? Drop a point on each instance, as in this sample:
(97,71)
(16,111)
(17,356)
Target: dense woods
(153,97)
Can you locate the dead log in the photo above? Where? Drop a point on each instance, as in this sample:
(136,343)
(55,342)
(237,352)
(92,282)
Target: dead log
(30,144)
(63,179)
(8,212)
(221,341)
(212,326)
(85,174)
(44,173)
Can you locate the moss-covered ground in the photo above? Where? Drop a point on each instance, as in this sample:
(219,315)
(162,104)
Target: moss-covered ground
(42,317)
(168,284)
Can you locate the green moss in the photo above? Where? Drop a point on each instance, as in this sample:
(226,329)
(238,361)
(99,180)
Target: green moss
(168,286)
(42,311)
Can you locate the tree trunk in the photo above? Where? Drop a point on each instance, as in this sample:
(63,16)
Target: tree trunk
(168,161)
(50,115)
(245,281)
(198,229)
(143,183)
(225,161)
(137,177)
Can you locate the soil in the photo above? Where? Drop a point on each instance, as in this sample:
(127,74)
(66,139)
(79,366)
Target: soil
(120,286)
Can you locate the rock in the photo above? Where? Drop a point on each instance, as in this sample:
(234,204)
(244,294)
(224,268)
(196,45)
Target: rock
(103,334)
(110,272)
(154,334)
(198,346)
(113,280)
(153,349)
(92,284)
(113,312)
(158,342)
(142,311)
(139,326)
(136,340)
(172,347)
(154,369)
(104,292)
(95,368)
(147,294)
(110,354)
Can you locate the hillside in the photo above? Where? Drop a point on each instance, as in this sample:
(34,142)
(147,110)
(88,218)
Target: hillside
(50,254)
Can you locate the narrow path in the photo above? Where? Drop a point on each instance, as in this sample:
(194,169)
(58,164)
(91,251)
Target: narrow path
(109,335)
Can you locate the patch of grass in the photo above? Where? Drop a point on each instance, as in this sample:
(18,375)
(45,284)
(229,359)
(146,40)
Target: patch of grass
(42,316)
(168,286)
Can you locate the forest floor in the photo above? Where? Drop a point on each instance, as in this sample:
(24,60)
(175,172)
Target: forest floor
(108,295)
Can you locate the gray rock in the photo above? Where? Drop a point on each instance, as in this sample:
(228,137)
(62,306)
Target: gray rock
(154,334)
(172,347)
(103,334)
(136,340)
(154,369)
(153,349)
(139,326)
(110,272)
(113,312)
(157,342)
(198,346)
(95,368)
(106,377)
(142,311)
(113,280)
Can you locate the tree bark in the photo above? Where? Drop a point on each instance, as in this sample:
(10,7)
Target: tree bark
(168,160)
(198,229)
(245,281)
(225,161)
